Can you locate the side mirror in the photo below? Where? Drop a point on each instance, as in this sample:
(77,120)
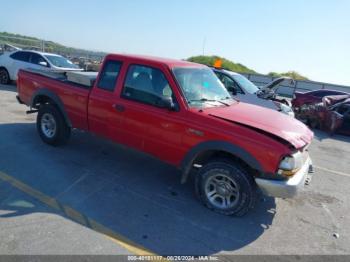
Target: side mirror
(167,102)
(43,63)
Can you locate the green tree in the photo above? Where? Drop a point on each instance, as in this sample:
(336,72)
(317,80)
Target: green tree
(293,74)
(226,64)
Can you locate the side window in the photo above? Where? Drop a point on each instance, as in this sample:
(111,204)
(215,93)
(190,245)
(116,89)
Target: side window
(109,75)
(21,56)
(36,59)
(230,85)
(147,85)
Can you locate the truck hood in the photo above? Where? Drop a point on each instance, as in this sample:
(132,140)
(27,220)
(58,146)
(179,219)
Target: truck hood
(265,120)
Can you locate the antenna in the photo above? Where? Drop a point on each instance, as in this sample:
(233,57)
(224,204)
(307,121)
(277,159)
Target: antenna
(204,42)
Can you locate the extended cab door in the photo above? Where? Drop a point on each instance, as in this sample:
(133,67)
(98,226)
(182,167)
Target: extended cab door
(103,118)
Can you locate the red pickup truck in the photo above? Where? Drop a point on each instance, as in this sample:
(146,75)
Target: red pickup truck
(180,113)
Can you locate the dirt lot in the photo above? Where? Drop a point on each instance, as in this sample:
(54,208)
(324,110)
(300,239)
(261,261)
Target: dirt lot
(95,197)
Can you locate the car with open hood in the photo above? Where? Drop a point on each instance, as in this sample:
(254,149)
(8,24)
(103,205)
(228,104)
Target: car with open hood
(244,90)
(304,99)
(332,114)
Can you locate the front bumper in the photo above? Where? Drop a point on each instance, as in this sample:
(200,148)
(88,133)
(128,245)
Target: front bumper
(286,188)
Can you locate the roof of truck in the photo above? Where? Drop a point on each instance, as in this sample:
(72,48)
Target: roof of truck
(167,61)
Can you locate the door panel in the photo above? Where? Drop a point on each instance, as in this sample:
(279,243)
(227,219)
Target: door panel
(104,119)
(147,126)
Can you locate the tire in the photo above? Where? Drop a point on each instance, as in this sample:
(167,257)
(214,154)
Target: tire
(230,182)
(4,76)
(51,125)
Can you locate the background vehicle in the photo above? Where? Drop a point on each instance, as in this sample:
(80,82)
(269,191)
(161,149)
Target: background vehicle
(11,63)
(331,115)
(312,97)
(181,113)
(243,89)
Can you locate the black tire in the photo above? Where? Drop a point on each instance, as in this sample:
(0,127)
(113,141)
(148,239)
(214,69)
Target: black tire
(4,76)
(236,175)
(61,131)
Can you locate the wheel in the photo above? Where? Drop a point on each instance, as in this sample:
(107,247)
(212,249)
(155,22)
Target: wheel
(226,188)
(4,77)
(51,125)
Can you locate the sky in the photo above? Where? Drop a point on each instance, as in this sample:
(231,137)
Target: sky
(311,37)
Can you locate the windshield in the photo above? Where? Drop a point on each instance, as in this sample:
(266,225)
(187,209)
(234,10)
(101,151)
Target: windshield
(245,84)
(200,85)
(60,61)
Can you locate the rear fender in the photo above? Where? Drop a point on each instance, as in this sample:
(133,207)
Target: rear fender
(46,93)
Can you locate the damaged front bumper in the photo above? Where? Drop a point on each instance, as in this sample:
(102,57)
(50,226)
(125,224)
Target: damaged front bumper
(287,188)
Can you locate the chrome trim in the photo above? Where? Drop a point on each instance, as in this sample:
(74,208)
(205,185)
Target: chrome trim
(286,188)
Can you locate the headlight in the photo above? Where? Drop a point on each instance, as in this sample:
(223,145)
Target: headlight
(290,164)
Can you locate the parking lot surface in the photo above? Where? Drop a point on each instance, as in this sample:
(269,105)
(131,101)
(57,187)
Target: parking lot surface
(95,197)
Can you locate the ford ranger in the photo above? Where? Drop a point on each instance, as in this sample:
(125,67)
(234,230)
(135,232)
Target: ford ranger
(181,113)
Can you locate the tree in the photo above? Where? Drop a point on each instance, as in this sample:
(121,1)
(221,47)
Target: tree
(226,64)
(293,74)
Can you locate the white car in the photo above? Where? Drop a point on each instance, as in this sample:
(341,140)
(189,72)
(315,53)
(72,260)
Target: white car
(11,63)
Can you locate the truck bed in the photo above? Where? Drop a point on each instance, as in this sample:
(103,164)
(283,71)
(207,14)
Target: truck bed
(74,96)
(73,78)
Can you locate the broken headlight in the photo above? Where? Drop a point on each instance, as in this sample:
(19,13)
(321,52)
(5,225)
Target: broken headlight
(290,164)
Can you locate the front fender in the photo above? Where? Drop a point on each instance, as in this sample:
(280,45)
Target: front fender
(223,146)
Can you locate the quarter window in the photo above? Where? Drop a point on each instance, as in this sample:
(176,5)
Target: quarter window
(147,85)
(109,75)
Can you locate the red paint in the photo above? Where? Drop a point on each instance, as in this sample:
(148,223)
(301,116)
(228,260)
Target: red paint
(169,135)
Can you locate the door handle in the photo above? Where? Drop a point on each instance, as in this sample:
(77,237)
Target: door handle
(119,108)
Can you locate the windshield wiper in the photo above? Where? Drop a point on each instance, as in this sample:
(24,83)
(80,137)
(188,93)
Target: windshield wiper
(208,100)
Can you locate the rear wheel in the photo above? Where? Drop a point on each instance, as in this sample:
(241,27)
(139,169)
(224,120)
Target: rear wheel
(51,125)
(226,188)
(4,76)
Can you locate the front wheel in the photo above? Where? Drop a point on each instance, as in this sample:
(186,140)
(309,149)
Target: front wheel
(226,188)
(51,125)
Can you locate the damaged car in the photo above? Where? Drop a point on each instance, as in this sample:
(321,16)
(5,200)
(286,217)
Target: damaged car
(312,97)
(331,115)
(244,90)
